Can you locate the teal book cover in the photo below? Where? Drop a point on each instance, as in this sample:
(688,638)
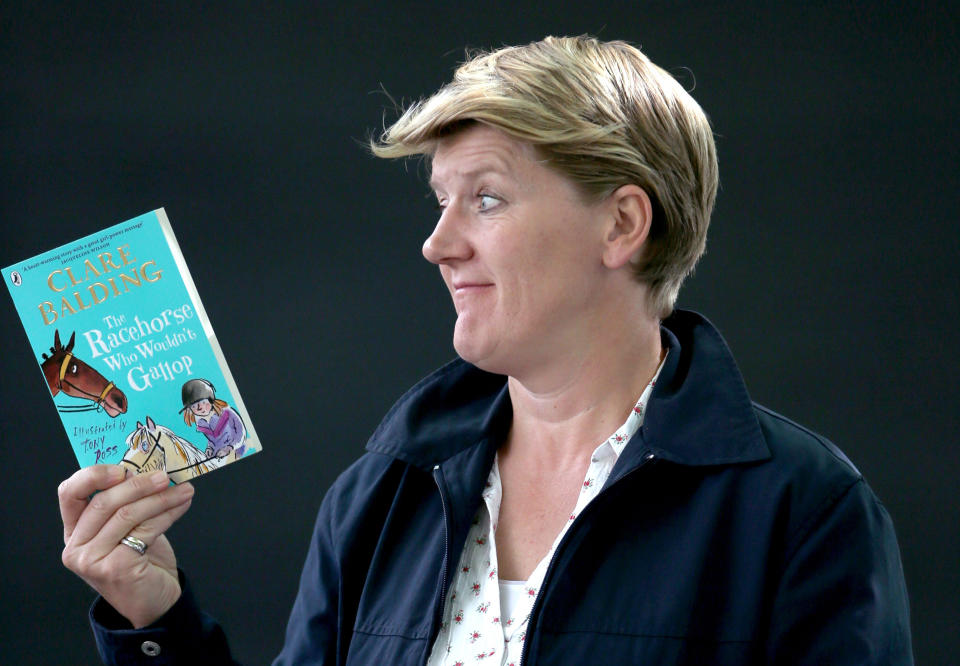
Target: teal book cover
(128,353)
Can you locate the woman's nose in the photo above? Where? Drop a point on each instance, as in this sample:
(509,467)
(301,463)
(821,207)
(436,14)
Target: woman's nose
(447,243)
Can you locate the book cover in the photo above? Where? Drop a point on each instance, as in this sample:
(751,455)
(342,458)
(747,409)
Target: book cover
(128,354)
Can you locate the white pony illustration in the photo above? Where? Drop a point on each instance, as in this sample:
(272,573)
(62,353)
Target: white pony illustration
(151,447)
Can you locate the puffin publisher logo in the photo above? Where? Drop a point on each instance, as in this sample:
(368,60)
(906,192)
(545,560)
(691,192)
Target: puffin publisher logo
(16,279)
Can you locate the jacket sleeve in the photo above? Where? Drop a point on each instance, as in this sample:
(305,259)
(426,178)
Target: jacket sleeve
(842,597)
(187,635)
(184,635)
(312,630)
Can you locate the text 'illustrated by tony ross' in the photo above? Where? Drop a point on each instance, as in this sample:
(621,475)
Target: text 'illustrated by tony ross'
(128,353)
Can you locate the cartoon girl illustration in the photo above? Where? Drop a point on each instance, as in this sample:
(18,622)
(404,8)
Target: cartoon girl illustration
(221,425)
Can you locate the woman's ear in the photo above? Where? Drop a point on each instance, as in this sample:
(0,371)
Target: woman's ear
(630,216)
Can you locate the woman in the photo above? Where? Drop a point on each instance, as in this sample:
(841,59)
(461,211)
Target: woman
(590,481)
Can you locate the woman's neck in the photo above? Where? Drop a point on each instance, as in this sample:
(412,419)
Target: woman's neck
(564,412)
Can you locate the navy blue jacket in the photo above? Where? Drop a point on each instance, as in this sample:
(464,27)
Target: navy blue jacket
(748,539)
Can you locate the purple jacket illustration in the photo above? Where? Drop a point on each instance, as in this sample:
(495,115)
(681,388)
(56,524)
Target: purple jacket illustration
(223,430)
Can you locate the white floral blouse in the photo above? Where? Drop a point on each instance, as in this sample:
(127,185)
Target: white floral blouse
(474,629)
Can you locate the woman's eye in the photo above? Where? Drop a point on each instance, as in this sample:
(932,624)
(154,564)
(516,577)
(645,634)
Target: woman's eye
(487,201)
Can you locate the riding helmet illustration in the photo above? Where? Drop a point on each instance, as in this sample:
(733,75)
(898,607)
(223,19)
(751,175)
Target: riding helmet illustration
(196,390)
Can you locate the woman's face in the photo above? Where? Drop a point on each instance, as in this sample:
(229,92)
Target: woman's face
(201,407)
(518,249)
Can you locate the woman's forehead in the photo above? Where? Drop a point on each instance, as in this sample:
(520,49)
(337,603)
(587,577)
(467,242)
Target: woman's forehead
(478,150)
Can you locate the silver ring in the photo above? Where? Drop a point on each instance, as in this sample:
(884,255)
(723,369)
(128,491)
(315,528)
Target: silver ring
(134,543)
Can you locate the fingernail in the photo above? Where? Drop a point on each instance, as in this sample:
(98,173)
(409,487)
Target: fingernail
(159,478)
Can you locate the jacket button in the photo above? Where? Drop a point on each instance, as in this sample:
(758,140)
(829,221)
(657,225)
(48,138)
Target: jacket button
(150,648)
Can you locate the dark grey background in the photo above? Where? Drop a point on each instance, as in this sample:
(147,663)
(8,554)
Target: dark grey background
(831,266)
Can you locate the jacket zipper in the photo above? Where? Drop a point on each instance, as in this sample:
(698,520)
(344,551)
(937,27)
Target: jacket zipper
(647,458)
(438,612)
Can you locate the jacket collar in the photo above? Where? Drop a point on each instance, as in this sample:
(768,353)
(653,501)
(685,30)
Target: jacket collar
(699,412)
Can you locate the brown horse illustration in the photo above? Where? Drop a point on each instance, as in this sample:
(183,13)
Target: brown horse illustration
(65,372)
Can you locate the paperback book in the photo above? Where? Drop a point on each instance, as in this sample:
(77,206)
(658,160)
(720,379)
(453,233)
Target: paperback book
(128,354)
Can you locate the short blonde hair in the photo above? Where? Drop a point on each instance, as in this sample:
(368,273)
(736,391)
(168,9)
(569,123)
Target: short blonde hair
(604,116)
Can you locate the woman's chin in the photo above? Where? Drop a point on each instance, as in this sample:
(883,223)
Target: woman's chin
(483,354)
(470,346)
